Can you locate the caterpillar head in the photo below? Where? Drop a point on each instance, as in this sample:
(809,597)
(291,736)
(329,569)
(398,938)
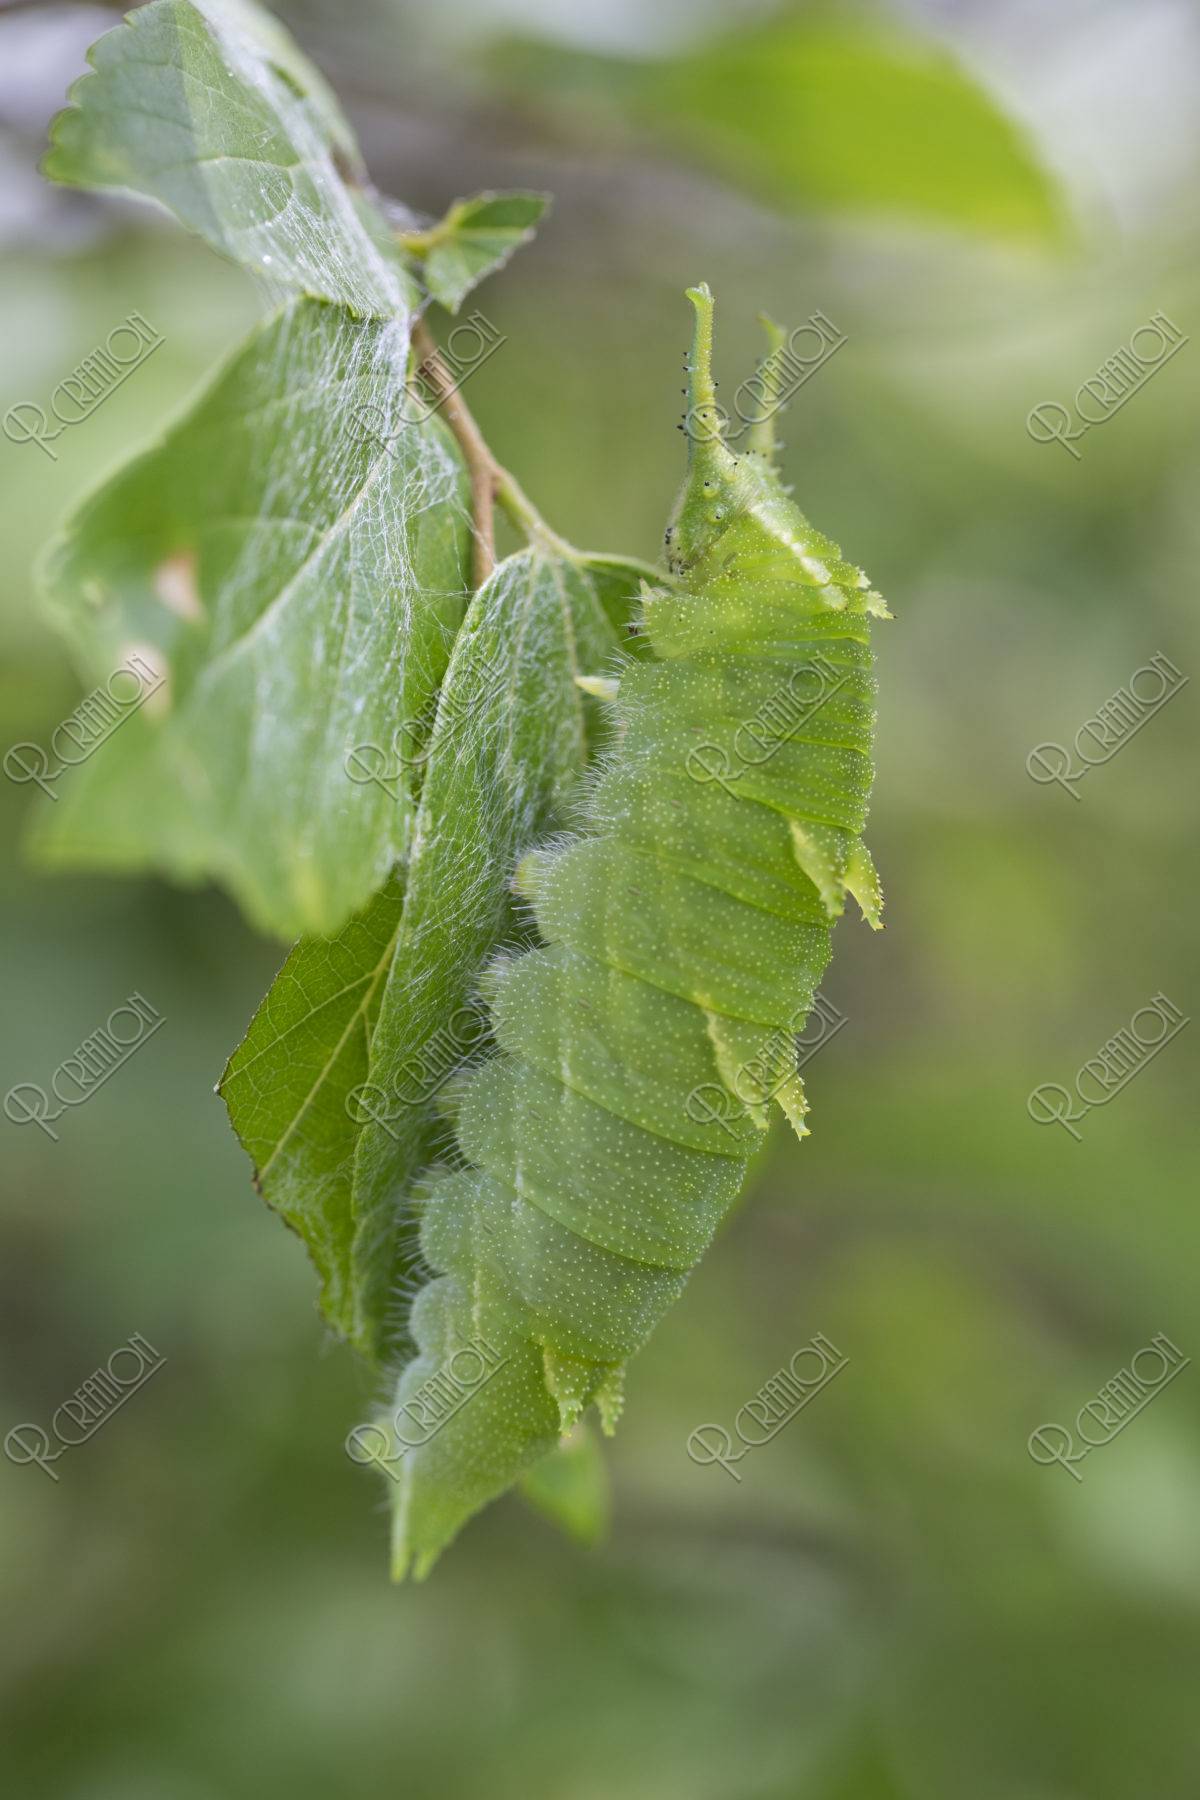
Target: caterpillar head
(714,490)
(734,520)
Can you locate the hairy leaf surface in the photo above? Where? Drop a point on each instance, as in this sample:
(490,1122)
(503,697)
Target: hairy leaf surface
(212,111)
(645,1031)
(300,581)
(512,737)
(315,1075)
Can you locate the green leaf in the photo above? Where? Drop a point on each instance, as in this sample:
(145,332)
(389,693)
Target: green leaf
(475,238)
(821,116)
(570,1487)
(293,556)
(681,933)
(512,737)
(509,743)
(211,110)
(618,581)
(267,38)
(289,1086)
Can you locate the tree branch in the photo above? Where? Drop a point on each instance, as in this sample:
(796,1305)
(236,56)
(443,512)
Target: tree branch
(481,464)
(490,482)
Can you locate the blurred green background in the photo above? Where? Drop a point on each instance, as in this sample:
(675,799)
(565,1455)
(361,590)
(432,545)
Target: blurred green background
(895,1603)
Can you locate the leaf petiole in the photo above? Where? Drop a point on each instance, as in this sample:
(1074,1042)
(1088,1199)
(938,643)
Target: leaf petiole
(490,482)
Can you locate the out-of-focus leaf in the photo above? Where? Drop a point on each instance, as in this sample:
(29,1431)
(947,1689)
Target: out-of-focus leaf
(290,1085)
(511,739)
(298,579)
(571,1486)
(211,110)
(475,238)
(817,115)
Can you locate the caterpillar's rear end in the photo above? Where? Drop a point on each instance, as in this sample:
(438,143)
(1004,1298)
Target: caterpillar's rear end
(684,932)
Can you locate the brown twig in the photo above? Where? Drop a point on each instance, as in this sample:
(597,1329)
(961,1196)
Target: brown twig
(482,467)
(489,481)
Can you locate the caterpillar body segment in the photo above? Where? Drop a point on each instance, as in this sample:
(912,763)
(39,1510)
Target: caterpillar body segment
(683,933)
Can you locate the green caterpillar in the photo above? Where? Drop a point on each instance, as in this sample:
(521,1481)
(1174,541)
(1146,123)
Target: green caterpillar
(683,933)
